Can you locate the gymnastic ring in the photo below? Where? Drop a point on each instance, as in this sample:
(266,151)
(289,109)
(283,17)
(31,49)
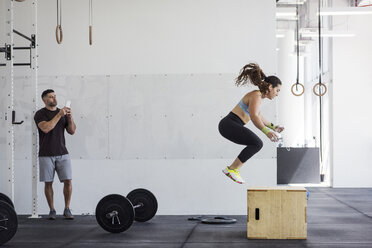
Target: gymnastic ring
(319,85)
(59,34)
(303,89)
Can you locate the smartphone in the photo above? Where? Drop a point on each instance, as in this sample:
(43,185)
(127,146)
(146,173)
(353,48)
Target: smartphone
(68,104)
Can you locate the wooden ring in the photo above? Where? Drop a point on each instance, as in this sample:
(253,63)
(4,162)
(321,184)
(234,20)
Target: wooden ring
(90,35)
(303,89)
(59,34)
(319,85)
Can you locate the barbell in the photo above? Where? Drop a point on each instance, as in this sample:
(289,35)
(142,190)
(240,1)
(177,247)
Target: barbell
(116,213)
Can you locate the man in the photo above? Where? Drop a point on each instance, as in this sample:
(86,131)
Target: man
(53,155)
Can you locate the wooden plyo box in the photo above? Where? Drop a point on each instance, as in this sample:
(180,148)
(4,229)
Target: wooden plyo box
(277,213)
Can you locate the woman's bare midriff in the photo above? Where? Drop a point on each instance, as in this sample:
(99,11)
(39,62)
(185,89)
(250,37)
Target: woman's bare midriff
(242,115)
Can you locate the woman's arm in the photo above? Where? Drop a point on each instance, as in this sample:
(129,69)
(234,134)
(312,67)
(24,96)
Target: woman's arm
(255,116)
(254,113)
(265,122)
(270,125)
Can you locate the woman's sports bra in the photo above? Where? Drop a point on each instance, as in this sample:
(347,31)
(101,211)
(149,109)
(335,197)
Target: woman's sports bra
(243,106)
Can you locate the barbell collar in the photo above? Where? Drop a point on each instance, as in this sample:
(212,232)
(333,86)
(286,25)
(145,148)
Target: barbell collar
(112,214)
(138,205)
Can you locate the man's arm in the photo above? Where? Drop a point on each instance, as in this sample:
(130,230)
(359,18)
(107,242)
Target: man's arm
(47,126)
(71,127)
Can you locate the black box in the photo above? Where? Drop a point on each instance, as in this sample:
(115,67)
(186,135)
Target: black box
(298,165)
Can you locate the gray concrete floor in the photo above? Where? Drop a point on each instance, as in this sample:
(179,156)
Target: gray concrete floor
(336,218)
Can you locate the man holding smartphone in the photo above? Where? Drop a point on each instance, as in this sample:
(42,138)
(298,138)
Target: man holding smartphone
(53,155)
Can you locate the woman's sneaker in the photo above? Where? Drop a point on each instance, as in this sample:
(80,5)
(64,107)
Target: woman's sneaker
(233,174)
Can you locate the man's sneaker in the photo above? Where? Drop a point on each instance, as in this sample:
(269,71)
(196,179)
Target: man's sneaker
(233,174)
(68,215)
(52,215)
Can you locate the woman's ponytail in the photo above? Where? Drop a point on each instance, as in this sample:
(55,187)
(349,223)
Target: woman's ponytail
(252,73)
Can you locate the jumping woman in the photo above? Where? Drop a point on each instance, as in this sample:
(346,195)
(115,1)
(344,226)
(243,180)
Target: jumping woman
(232,126)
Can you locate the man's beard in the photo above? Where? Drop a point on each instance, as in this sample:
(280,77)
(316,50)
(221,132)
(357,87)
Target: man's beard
(52,104)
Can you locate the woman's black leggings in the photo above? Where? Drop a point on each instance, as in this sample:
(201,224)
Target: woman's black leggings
(232,128)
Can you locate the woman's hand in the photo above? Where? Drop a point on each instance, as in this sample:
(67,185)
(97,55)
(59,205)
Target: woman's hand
(272,136)
(279,129)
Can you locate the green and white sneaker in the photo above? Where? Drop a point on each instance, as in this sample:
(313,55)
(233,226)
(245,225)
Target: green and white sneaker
(233,174)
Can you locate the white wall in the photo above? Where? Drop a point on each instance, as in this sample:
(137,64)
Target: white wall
(148,39)
(352,77)
(151,37)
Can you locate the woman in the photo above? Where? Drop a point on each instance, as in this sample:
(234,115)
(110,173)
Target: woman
(232,126)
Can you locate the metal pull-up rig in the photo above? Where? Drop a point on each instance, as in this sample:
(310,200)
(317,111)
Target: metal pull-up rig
(7,74)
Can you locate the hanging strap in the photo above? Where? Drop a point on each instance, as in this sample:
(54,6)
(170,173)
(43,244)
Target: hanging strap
(90,22)
(320,85)
(320,44)
(59,33)
(298,45)
(298,60)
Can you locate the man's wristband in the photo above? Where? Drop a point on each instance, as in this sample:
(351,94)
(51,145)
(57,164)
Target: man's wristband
(265,130)
(272,126)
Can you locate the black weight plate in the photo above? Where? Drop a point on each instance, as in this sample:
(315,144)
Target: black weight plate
(6,199)
(8,222)
(150,204)
(198,218)
(218,220)
(117,203)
